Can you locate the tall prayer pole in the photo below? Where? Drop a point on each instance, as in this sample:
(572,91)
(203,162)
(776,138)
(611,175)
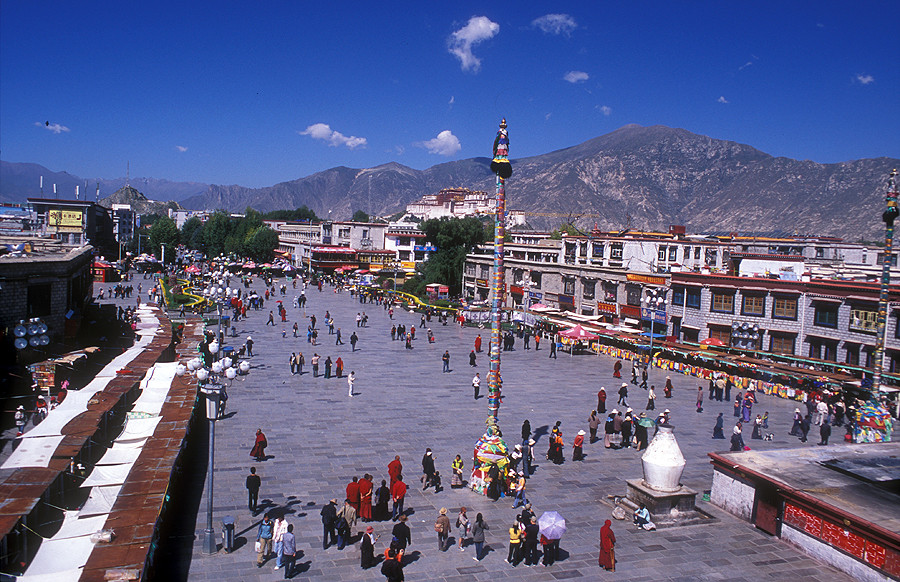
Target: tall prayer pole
(888,217)
(503,169)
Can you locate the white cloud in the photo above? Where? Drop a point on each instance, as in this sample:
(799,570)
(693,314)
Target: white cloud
(324,132)
(460,43)
(548,116)
(52,127)
(865,79)
(605,110)
(745,65)
(555,24)
(722,99)
(445,144)
(181,149)
(452,101)
(576,76)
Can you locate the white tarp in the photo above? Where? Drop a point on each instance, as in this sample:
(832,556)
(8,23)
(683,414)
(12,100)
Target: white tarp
(76,400)
(34,452)
(107,475)
(137,428)
(120,455)
(155,387)
(100,501)
(63,556)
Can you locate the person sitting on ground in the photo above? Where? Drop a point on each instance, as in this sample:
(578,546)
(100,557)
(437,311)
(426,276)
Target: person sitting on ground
(642,518)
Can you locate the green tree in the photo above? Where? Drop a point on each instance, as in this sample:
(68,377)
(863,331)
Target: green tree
(215,231)
(568,229)
(192,233)
(164,232)
(302,213)
(360,216)
(260,244)
(454,239)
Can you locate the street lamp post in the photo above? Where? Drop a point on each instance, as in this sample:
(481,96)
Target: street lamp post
(654,300)
(213,393)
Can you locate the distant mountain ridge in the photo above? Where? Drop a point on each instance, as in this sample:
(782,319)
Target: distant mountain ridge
(643,177)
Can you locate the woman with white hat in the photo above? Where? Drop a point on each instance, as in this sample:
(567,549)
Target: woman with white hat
(577,444)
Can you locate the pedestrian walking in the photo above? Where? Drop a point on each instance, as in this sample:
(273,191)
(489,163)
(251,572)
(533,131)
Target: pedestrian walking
(350,380)
(601,400)
(264,540)
(593,425)
(259,446)
(249,346)
(552,349)
(478,343)
(532,533)
(651,398)
(515,539)
(577,444)
(328,365)
(442,527)
(699,398)
(337,338)
(446,359)
(278,532)
(367,549)
(824,432)
(329,523)
(253,483)
(315,365)
(353,339)
(398,495)
(476,384)
(478,529)
(617,369)
(462,527)
(339,367)
(719,428)
(607,559)
(293,362)
(623,395)
(427,469)
(402,534)
(472,361)
(289,552)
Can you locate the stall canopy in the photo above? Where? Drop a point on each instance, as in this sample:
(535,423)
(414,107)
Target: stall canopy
(579,333)
(192,269)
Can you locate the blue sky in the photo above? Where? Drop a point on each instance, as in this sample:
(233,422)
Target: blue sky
(255,93)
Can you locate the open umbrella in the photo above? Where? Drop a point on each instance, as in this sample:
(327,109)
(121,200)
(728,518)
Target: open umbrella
(552,525)
(711,341)
(648,422)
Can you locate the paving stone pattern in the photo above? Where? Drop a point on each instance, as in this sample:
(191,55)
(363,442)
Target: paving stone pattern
(319,438)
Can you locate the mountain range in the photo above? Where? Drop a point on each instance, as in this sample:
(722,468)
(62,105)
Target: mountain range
(638,177)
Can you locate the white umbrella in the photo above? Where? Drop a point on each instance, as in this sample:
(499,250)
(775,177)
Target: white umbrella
(552,525)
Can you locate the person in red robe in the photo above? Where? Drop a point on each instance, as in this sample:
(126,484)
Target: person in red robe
(395,468)
(365,498)
(259,447)
(339,367)
(353,494)
(607,558)
(478,344)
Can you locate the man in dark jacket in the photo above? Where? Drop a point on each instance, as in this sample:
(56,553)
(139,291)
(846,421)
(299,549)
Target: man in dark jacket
(253,483)
(329,521)
(428,468)
(532,531)
(825,433)
(391,568)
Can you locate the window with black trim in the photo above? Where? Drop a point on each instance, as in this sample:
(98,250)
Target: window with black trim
(38,300)
(782,344)
(692,297)
(754,305)
(536,279)
(826,315)
(610,292)
(678,296)
(588,288)
(672,253)
(633,295)
(569,285)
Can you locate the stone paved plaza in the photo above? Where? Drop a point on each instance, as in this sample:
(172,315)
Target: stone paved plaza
(319,438)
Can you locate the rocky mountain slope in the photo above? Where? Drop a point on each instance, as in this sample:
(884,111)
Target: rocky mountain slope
(138,202)
(643,177)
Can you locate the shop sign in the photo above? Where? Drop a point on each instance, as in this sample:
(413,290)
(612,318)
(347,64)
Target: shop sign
(607,308)
(648,279)
(64,218)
